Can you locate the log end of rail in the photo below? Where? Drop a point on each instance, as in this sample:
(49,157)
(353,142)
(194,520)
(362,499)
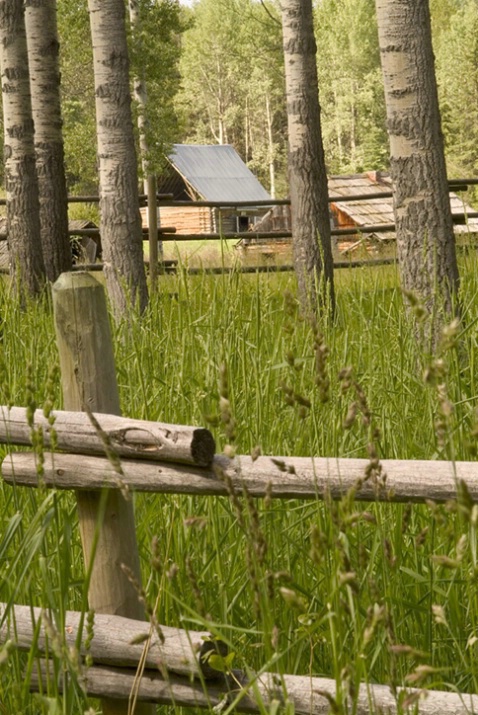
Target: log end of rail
(203,447)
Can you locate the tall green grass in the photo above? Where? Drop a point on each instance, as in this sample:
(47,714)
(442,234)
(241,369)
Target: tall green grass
(378,592)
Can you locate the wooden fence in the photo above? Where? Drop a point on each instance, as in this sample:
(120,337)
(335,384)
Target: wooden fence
(142,663)
(158,235)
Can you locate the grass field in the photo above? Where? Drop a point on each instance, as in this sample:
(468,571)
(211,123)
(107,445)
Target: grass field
(381,593)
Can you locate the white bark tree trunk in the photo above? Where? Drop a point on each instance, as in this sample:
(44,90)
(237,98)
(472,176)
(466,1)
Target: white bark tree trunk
(270,148)
(23,213)
(43,49)
(425,238)
(140,95)
(120,218)
(313,260)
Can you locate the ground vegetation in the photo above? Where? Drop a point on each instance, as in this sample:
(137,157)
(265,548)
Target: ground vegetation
(374,592)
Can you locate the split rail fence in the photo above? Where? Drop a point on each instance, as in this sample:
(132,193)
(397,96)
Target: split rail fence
(103,456)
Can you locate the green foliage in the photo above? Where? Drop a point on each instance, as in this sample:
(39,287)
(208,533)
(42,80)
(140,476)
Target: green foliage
(154,56)
(457,74)
(78,95)
(214,73)
(232,88)
(350,86)
(155,47)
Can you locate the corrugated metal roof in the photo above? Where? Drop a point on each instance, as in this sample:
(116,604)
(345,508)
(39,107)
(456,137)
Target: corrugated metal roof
(380,210)
(217,173)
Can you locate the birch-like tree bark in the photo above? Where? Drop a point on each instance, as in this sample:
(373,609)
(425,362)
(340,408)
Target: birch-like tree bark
(43,50)
(425,237)
(312,246)
(140,94)
(121,233)
(23,214)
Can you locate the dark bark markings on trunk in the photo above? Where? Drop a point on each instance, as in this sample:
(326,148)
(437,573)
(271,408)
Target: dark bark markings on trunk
(43,50)
(425,237)
(119,205)
(307,175)
(23,220)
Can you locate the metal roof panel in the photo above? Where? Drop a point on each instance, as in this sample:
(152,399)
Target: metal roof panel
(217,172)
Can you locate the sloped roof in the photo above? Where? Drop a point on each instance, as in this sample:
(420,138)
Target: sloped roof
(364,212)
(216,173)
(380,210)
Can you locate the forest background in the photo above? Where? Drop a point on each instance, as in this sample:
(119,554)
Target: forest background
(214,72)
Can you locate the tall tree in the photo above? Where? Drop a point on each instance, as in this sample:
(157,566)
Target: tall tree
(425,237)
(140,94)
(153,93)
(43,48)
(312,246)
(119,204)
(23,218)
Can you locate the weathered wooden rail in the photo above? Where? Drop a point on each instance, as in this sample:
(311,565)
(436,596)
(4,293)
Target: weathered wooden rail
(106,454)
(278,477)
(266,692)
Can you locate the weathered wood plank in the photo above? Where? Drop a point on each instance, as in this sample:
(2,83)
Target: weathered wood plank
(116,641)
(307,694)
(75,432)
(281,477)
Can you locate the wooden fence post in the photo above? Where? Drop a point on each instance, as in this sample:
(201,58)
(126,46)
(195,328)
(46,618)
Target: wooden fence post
(88,380)
(153,222)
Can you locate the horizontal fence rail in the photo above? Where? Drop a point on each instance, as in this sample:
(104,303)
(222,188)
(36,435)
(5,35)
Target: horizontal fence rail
(164,463)
(168,200)
(87,433)
(116,640)
(177,669)
(172,267)
(277,477)
(168,233)
(266,692)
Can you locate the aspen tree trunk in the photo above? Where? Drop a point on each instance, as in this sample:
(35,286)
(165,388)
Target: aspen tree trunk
(425,238)
(140,95)
(270,148)
(43,49)
(23,212)
(312,247)
(121,233)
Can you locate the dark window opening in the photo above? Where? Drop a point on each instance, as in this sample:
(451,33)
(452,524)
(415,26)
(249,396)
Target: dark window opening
(242,223)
